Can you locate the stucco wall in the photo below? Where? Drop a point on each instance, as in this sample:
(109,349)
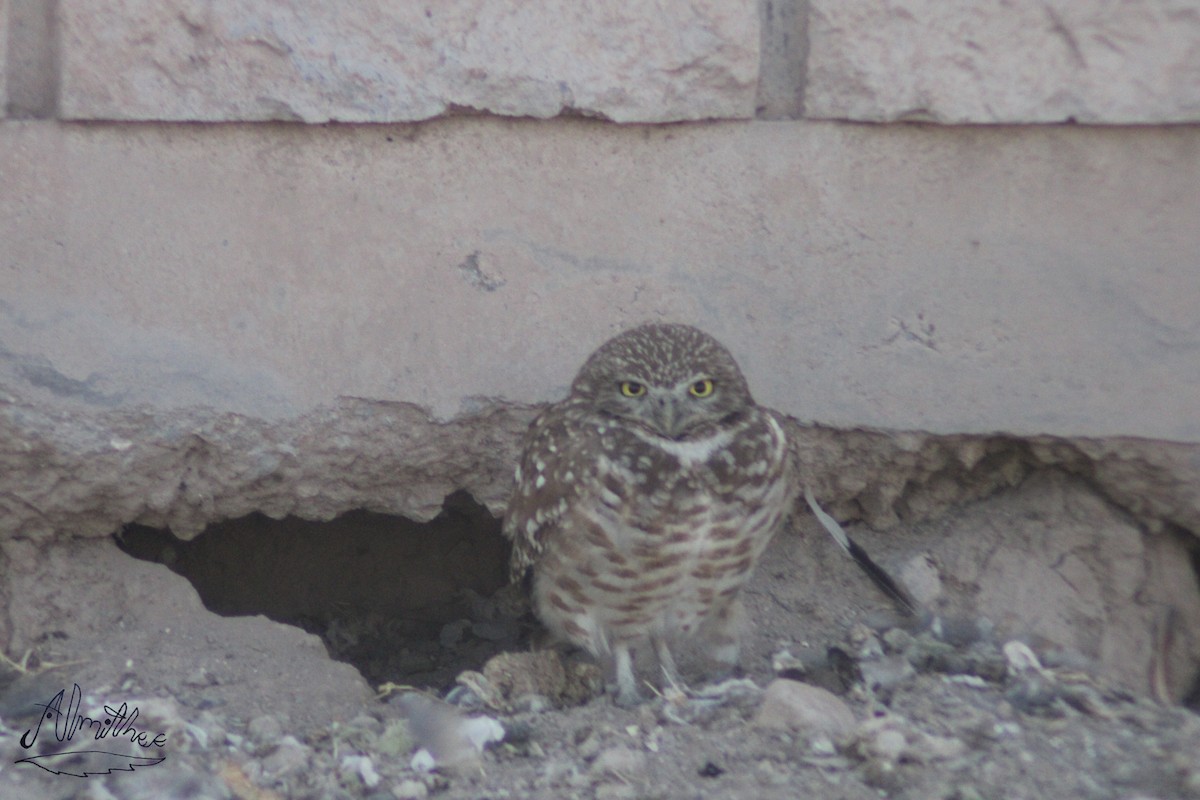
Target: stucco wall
(1031,280)
(175,234)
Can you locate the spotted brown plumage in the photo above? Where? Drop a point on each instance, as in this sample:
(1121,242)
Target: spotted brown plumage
(645,499)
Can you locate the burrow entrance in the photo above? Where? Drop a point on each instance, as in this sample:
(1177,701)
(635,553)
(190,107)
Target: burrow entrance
(402,601)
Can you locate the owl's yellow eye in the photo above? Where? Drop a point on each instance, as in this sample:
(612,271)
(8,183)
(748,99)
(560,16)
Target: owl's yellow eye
(632,389)
(702,388)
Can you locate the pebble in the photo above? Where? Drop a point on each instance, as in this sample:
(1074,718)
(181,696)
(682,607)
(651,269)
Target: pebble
(452,632)
(619,762)
(794,706)
(200,678)
(587,744)
(157,714)
(264,730)
(784,663)
(395,739)
(885,674)
(922,578)
(888,745)
(890,740)
(410,790)
(866,644)
(287,757)
(360,767)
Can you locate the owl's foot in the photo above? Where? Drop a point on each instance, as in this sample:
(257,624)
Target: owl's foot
(627,698)
(666,663)
(627,695)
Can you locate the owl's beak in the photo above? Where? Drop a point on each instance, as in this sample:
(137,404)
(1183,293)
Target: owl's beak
(667,417)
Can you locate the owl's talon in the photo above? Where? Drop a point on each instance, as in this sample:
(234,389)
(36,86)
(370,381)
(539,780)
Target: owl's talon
(627,699)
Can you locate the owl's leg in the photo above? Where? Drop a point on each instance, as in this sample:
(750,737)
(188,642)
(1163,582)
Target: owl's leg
(627,691)
(666,663)
(723,634)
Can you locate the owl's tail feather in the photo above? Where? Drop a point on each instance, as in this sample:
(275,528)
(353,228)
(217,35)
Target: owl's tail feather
(903,600)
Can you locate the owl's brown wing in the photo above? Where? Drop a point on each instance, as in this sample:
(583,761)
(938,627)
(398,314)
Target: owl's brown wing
(559,467)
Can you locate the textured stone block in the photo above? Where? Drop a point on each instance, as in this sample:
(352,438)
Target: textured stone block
(1028,279)
(1012,62)
(380,61)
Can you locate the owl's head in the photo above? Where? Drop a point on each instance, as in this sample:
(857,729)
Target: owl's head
(673,380)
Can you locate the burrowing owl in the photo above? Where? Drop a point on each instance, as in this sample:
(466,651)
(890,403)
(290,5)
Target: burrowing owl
(645,498)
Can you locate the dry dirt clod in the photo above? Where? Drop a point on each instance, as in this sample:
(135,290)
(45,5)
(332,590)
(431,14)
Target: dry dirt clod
(807,710)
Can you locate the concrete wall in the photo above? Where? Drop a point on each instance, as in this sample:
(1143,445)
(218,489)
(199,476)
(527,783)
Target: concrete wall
(1033,280)
(978,277)
(946,278)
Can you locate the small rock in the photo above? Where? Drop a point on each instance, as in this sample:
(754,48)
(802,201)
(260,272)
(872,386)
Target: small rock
(452,633)
(198,734)
(619,762)
(360,767)
(888,745)
(474,692)
(822,745)
(395,739)
(212,727)
(410,790)
(886,741)
(921,577)
(423,761)
(1034,692)
(897,640)
(532,704)
(938,748)
(885,674)
(264,730)
(200,678)
(866,644)
(587,744)
(156,714)
(360,734)
(287,757)
(1021,658)
(960,632)
(784,664)
(793,706)
(974,681)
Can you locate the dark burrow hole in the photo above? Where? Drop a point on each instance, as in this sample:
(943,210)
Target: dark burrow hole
(413,603)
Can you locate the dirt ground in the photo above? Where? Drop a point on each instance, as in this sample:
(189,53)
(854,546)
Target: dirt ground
(253,708)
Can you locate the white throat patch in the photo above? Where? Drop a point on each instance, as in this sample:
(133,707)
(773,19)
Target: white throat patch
(692,451)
